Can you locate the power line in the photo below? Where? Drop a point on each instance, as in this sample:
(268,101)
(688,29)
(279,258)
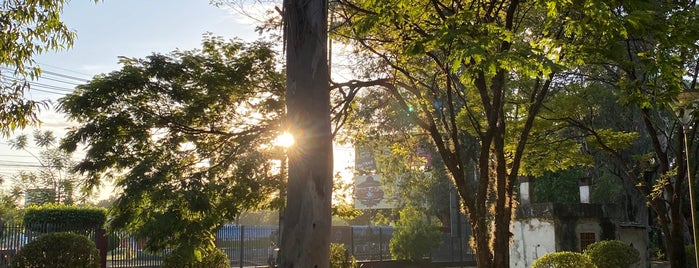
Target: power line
(9,155)
(34,83)
(60,81)
(21,165)
(64,69)
(40,87)
(55,74)
(65,76)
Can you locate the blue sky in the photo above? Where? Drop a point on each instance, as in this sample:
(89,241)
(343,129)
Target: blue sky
(135,28)
(112,28)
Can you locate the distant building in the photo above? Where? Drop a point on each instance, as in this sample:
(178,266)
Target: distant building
(550,227)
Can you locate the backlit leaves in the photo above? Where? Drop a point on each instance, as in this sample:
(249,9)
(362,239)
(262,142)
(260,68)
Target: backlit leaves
(186,136)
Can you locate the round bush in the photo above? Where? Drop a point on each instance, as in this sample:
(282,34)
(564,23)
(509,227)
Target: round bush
(612,254)
(214,259)
(563,259)
(58,250)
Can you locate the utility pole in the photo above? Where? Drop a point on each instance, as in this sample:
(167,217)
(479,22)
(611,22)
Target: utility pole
(307,218)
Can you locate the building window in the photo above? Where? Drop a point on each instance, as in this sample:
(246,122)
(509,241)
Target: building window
(586,239)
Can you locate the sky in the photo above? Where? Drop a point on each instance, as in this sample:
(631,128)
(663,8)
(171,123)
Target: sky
(113,28)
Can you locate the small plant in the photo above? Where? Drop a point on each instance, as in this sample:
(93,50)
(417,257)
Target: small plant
(414,236)
(563,259)
(58,250)
(612,254)
(340,257)
(215,258)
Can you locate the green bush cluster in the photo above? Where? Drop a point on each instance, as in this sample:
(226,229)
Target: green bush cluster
(612,254)
(213,259)
(58,217)
(602,254)
(414,236)
(563,259)
(340,257)
(58,250)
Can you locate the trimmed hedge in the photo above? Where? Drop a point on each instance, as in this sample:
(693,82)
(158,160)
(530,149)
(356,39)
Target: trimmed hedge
(612,254)
(563,259)
(36,218)
(58,250)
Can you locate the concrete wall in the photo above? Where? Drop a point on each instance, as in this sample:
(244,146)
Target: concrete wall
(547,227)
(532,239)
(636,236)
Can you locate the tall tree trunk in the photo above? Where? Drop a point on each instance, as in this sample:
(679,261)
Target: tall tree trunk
(307,219)
(669,210)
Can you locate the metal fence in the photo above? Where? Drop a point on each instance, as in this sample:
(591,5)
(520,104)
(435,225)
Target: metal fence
(12,238)
(245,246)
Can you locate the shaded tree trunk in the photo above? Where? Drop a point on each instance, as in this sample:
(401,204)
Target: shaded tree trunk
(669,211)
(307,219)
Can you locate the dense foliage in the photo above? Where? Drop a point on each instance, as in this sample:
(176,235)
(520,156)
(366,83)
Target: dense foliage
(517,88)
(58,250)
(612,254)
(414,237)
(563,259)
(186,137)
(63,217)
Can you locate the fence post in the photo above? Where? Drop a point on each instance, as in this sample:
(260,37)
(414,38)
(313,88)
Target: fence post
(380,243)
(102,245)
(242,244)
(352,239)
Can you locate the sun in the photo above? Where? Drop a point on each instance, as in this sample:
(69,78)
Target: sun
(285,140)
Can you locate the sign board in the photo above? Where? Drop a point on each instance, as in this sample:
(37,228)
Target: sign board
(369,193)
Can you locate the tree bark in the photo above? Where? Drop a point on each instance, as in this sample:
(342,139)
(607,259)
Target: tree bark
(307,219)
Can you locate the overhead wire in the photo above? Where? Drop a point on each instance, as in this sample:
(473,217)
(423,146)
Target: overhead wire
(64,69)
(52,80)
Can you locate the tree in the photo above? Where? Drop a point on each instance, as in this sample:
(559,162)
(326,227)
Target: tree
(474,76)
(648,61)
(30,27)
(54,181)
(186,137)
(307,219)
(413,226)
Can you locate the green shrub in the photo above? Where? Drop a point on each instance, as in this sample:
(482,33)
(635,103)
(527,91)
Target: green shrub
(214,259)
(58,250)
(563,259)
(612,254)
(340,257)
(56,217)
(414,236)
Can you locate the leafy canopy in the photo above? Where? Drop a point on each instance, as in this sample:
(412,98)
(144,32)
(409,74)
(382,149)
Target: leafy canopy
(186,136)
(29,27)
